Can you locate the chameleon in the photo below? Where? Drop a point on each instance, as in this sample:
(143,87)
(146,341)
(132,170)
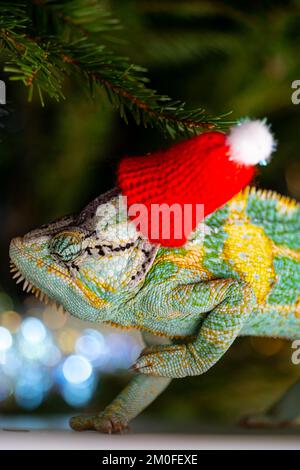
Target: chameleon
(237,274)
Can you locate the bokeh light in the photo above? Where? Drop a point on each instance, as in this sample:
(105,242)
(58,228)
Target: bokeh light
(13,363)
(27,395)
(11,320)
(78,394)
(267,346)
(54,318)
(91,345)
(32,385)
(5,339)
(41,354)
(120,351)
(77,369)
(67,339)
(53,356)
(33,330)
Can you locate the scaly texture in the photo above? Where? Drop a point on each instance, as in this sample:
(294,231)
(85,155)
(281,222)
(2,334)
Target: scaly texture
(238,274)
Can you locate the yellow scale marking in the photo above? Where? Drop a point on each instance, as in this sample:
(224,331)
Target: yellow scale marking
(252,253)
(258,251)
(191,258)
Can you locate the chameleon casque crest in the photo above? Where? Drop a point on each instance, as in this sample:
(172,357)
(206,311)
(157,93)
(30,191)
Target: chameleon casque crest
(237,274)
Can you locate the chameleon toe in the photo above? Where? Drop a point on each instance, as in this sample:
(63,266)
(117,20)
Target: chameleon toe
(82,423)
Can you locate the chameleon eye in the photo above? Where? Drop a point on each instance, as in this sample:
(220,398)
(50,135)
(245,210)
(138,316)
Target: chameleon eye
(67,245)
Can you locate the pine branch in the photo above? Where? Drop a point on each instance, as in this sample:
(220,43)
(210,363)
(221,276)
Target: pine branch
(126,89)
(54,39)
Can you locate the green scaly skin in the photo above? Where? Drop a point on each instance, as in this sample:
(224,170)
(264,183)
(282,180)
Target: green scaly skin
(238,274)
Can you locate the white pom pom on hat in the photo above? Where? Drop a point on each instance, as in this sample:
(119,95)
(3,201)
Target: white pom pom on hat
(251,142)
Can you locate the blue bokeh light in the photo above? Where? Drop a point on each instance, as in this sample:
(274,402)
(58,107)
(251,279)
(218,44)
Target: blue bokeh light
(78,394)
(77,369)
(91,345)
(12,363)
(34,362)
(120,349)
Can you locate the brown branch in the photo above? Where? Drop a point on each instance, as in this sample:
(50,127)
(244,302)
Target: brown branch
(141,104)
(145,106)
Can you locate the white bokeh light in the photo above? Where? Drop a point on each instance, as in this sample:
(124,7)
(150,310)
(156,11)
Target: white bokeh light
(52,356)
(5,339)
(77,369)
(34,361)
(33,330)
(13,363)
(91,345)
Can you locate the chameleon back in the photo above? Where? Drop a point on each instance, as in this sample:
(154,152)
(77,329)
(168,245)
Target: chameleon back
(256,237)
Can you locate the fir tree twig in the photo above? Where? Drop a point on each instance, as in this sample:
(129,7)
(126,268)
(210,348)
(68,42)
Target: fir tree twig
(44,40)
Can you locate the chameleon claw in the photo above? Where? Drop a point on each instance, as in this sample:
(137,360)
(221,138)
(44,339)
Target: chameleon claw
(133,368)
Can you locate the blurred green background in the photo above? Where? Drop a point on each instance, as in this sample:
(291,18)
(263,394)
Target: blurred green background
(224,56)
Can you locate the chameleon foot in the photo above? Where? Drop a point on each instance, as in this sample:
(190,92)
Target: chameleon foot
(264,421)
(100,422)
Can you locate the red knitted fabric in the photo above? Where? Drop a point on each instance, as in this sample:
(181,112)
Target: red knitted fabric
(195,171)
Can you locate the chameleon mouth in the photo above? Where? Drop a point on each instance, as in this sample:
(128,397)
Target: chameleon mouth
(31,279)
(29,288)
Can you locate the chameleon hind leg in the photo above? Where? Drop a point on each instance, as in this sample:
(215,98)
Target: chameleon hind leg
(284,413)
(139,393)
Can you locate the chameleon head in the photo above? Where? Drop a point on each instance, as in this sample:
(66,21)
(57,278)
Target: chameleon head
(89,263)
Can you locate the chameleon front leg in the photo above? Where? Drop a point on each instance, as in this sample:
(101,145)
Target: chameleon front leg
(136,396)
(228,303)
(284,413)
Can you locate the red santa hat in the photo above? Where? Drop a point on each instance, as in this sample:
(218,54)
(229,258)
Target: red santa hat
(204,171)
